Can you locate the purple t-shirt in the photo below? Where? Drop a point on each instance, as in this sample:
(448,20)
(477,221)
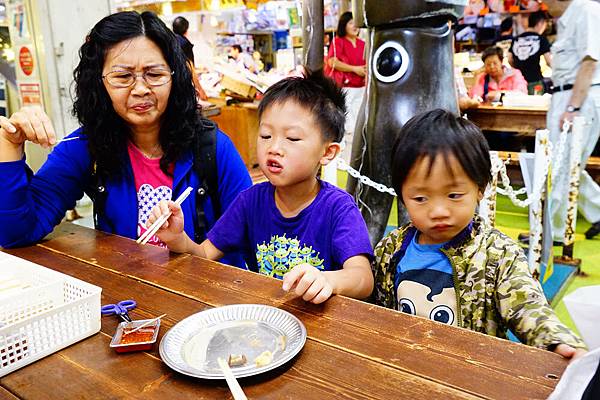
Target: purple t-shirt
(325,234)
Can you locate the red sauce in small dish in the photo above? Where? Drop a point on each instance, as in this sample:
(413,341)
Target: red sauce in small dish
(143,335)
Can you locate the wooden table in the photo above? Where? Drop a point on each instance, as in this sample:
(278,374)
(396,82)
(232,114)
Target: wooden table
(354,350)
(522,120)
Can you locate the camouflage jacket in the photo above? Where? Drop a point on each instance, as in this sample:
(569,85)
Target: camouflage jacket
(494,287)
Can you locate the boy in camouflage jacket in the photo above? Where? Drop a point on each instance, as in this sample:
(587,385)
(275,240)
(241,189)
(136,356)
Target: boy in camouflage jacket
(494,288)
(448,264)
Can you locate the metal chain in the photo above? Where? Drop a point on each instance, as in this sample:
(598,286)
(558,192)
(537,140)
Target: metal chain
(562,144)
(507,189)
(342,165)
(498,167)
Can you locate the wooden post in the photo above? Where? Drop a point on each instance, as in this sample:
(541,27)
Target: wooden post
(312,34)
(574,176)
(538,194)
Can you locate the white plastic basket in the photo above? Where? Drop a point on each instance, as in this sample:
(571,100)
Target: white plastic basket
(41,312)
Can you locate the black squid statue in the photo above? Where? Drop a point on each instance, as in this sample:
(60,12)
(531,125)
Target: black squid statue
(410,70)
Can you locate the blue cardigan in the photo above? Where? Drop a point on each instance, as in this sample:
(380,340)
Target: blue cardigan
(32,205)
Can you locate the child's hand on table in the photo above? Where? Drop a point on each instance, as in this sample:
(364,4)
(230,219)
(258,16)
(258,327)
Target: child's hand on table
(308,282)
(569,352)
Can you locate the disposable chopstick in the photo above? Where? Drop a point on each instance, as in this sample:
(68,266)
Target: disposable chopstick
(143,325)
(161,220)
(68,139)
(234,385)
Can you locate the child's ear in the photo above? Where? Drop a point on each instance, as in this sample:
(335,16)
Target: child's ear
(331,151)
(479,195)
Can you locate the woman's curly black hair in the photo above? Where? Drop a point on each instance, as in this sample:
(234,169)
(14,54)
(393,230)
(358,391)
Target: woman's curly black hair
(106,131)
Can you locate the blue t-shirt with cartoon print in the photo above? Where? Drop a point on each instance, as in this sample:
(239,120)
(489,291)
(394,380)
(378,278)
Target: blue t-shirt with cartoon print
(424,283)
(325,234)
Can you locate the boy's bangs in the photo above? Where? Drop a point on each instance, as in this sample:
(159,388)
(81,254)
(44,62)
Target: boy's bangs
(432,155)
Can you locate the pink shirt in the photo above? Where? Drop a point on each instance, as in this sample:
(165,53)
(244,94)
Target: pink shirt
(151,184)
(512,81)
(346,52)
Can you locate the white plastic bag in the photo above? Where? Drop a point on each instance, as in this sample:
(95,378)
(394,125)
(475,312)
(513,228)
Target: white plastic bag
(576,377)
(584,306)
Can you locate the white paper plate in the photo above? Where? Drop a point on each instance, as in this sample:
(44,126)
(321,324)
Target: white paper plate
(193,346)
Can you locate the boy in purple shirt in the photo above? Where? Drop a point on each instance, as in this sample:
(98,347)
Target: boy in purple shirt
(295,226)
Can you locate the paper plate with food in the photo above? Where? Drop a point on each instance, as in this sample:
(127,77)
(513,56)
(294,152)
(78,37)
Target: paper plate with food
(252,338)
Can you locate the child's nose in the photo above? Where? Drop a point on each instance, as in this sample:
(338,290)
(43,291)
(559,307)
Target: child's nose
(275,146)
(439,210)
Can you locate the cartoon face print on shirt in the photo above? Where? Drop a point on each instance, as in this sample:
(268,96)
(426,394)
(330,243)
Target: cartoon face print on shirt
(282,254)
(526,46)
(428,293)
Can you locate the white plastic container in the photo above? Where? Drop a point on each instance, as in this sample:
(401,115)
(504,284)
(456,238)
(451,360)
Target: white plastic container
(584,306)
(41,312)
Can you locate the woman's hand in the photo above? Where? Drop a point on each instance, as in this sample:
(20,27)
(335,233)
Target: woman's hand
(360,70)
(29,123)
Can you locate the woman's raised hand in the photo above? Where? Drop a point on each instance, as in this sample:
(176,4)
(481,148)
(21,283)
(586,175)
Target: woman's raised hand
(29,123)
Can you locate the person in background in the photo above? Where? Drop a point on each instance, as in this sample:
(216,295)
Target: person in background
(346,65)
(241,59)
(506,29)
(294,226)
(448,264)
(260,65)
(180,27)
(522,24)
(497,78)
(346,56)
(526,50)
(576,91)
(464,100)
(506,36)
(474,7)
(136,105)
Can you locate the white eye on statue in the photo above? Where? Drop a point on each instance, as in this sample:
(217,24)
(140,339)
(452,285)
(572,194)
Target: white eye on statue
(443,314)
(390,62)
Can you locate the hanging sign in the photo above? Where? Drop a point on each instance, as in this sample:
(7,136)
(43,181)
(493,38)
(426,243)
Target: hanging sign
(26,60)
(31,94)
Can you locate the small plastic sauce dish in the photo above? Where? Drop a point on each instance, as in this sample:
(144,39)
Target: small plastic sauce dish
(142,339)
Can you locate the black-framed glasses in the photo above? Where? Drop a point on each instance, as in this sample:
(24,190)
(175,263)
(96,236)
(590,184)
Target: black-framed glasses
(152,77)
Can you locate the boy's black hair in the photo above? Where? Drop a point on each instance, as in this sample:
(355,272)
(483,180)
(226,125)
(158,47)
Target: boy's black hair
(238,48)
(535,18)
(492,51)
(319,94)
(441,132)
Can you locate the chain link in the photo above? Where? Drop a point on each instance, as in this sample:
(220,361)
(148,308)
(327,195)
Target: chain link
(498,168)
(562,144)
(342,165)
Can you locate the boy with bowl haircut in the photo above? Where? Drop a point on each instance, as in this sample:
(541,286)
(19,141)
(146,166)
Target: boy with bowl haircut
(447,264)
(295,226)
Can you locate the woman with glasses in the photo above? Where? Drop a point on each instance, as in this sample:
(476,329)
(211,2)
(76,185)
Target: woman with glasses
(136,104)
